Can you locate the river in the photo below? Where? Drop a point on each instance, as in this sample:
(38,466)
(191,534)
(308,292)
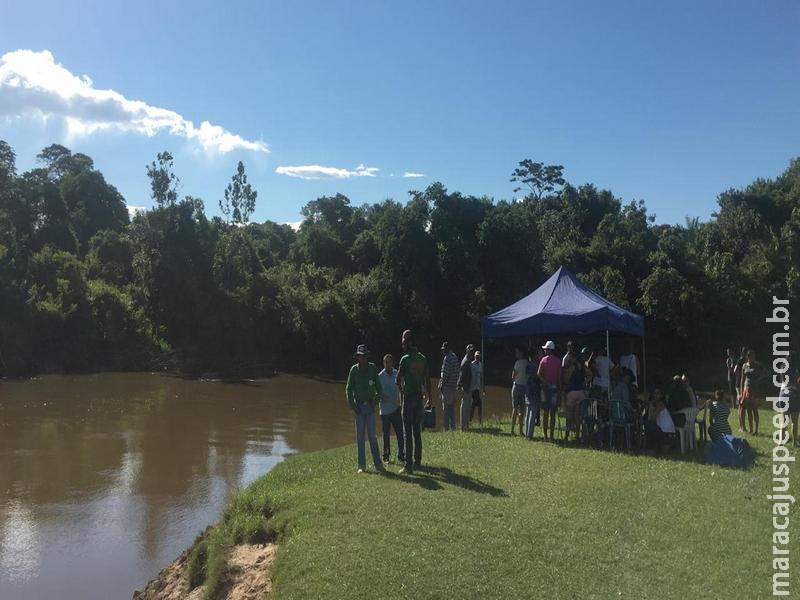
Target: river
(104,479)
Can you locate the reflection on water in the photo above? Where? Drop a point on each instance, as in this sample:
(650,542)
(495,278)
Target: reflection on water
(104,479)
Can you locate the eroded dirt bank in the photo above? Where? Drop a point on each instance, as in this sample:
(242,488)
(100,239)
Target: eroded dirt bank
(247,577)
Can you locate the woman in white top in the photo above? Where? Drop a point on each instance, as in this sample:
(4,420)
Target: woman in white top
(659,428)
(519,389)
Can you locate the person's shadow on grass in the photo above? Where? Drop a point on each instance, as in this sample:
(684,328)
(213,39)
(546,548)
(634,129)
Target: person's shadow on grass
(432,478)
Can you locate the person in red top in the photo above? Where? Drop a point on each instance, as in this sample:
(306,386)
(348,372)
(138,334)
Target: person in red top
(550,374)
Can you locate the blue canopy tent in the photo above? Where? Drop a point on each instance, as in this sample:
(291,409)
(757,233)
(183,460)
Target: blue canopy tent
(563,304)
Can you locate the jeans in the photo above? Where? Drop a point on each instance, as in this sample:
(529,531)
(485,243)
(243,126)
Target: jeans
(477,402)
(365,419)
(532,415)
(657,439)
(412,421)
(466,405)
(394,419)
(449,399)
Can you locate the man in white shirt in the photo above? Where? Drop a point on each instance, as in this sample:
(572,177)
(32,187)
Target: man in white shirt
(601,369)
(391,415)
(630,361)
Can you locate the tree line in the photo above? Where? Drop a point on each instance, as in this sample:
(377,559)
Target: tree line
(84,287)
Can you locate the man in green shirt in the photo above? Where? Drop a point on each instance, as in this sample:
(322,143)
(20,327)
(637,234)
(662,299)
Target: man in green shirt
(413,377)
(363,389)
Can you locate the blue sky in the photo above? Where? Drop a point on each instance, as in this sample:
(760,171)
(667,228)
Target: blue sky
(669,102)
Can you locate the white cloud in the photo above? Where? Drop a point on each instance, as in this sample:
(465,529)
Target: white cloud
(294,224)
(134,210)
(413,174)
(320,172)
(33,85)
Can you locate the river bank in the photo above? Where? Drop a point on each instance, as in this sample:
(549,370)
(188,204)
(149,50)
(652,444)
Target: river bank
(247,577)
(489,511)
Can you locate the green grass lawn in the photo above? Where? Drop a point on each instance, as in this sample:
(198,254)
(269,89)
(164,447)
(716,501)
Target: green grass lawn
(494,516)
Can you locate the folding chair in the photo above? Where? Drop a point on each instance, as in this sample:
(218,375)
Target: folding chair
(618,419)
(685,433)
(589,419)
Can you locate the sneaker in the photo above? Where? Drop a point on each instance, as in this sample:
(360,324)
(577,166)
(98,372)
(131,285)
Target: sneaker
(406,471)
(361,470)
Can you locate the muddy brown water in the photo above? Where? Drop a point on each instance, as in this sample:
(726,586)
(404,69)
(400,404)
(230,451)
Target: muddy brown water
(105,479)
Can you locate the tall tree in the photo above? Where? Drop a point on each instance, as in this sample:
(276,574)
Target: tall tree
(540,179)
(240,199)
(163,182)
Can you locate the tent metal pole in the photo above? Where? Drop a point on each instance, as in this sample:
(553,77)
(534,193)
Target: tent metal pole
(644,364)
(483,369)
(608,365)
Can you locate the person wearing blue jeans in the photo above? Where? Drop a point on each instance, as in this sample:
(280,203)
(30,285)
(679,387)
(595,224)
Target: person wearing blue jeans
(448,386)
(533,396)
(412,378)
(391,415)
(449,409)
(363,389)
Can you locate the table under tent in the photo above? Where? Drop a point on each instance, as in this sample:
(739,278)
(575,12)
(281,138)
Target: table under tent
(563,304)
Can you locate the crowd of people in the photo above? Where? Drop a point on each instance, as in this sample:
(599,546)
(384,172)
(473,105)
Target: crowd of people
(594,391)
(744,374)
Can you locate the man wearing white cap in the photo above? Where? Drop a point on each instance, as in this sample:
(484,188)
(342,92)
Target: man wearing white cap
(550,374)
(363,391)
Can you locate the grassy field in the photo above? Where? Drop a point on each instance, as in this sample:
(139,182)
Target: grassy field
(495,516)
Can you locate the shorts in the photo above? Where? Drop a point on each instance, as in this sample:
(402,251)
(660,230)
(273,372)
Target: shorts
(574,398)
(748,401)
(518,393)
(549,397)
(476,398)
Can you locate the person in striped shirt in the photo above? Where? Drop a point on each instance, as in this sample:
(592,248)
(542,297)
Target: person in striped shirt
(448,386)
(719,411)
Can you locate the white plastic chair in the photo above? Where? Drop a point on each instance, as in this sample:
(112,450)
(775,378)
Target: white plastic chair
(686,433)
(702,423)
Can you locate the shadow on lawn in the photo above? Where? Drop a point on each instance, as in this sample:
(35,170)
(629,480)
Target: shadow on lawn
(673,455)
(432,478)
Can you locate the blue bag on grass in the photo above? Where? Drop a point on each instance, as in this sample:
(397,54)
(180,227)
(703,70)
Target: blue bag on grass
(729,451)
(429,418)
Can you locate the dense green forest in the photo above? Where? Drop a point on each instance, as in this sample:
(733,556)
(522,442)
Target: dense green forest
(84,288)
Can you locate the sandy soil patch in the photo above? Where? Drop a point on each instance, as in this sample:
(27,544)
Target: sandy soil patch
(247,577)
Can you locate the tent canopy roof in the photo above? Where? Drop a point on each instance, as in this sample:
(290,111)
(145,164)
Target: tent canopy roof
(561,304)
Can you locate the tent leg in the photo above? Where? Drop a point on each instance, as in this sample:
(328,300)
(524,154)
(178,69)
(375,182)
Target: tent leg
(644,365)
(483,366)
(608,365)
